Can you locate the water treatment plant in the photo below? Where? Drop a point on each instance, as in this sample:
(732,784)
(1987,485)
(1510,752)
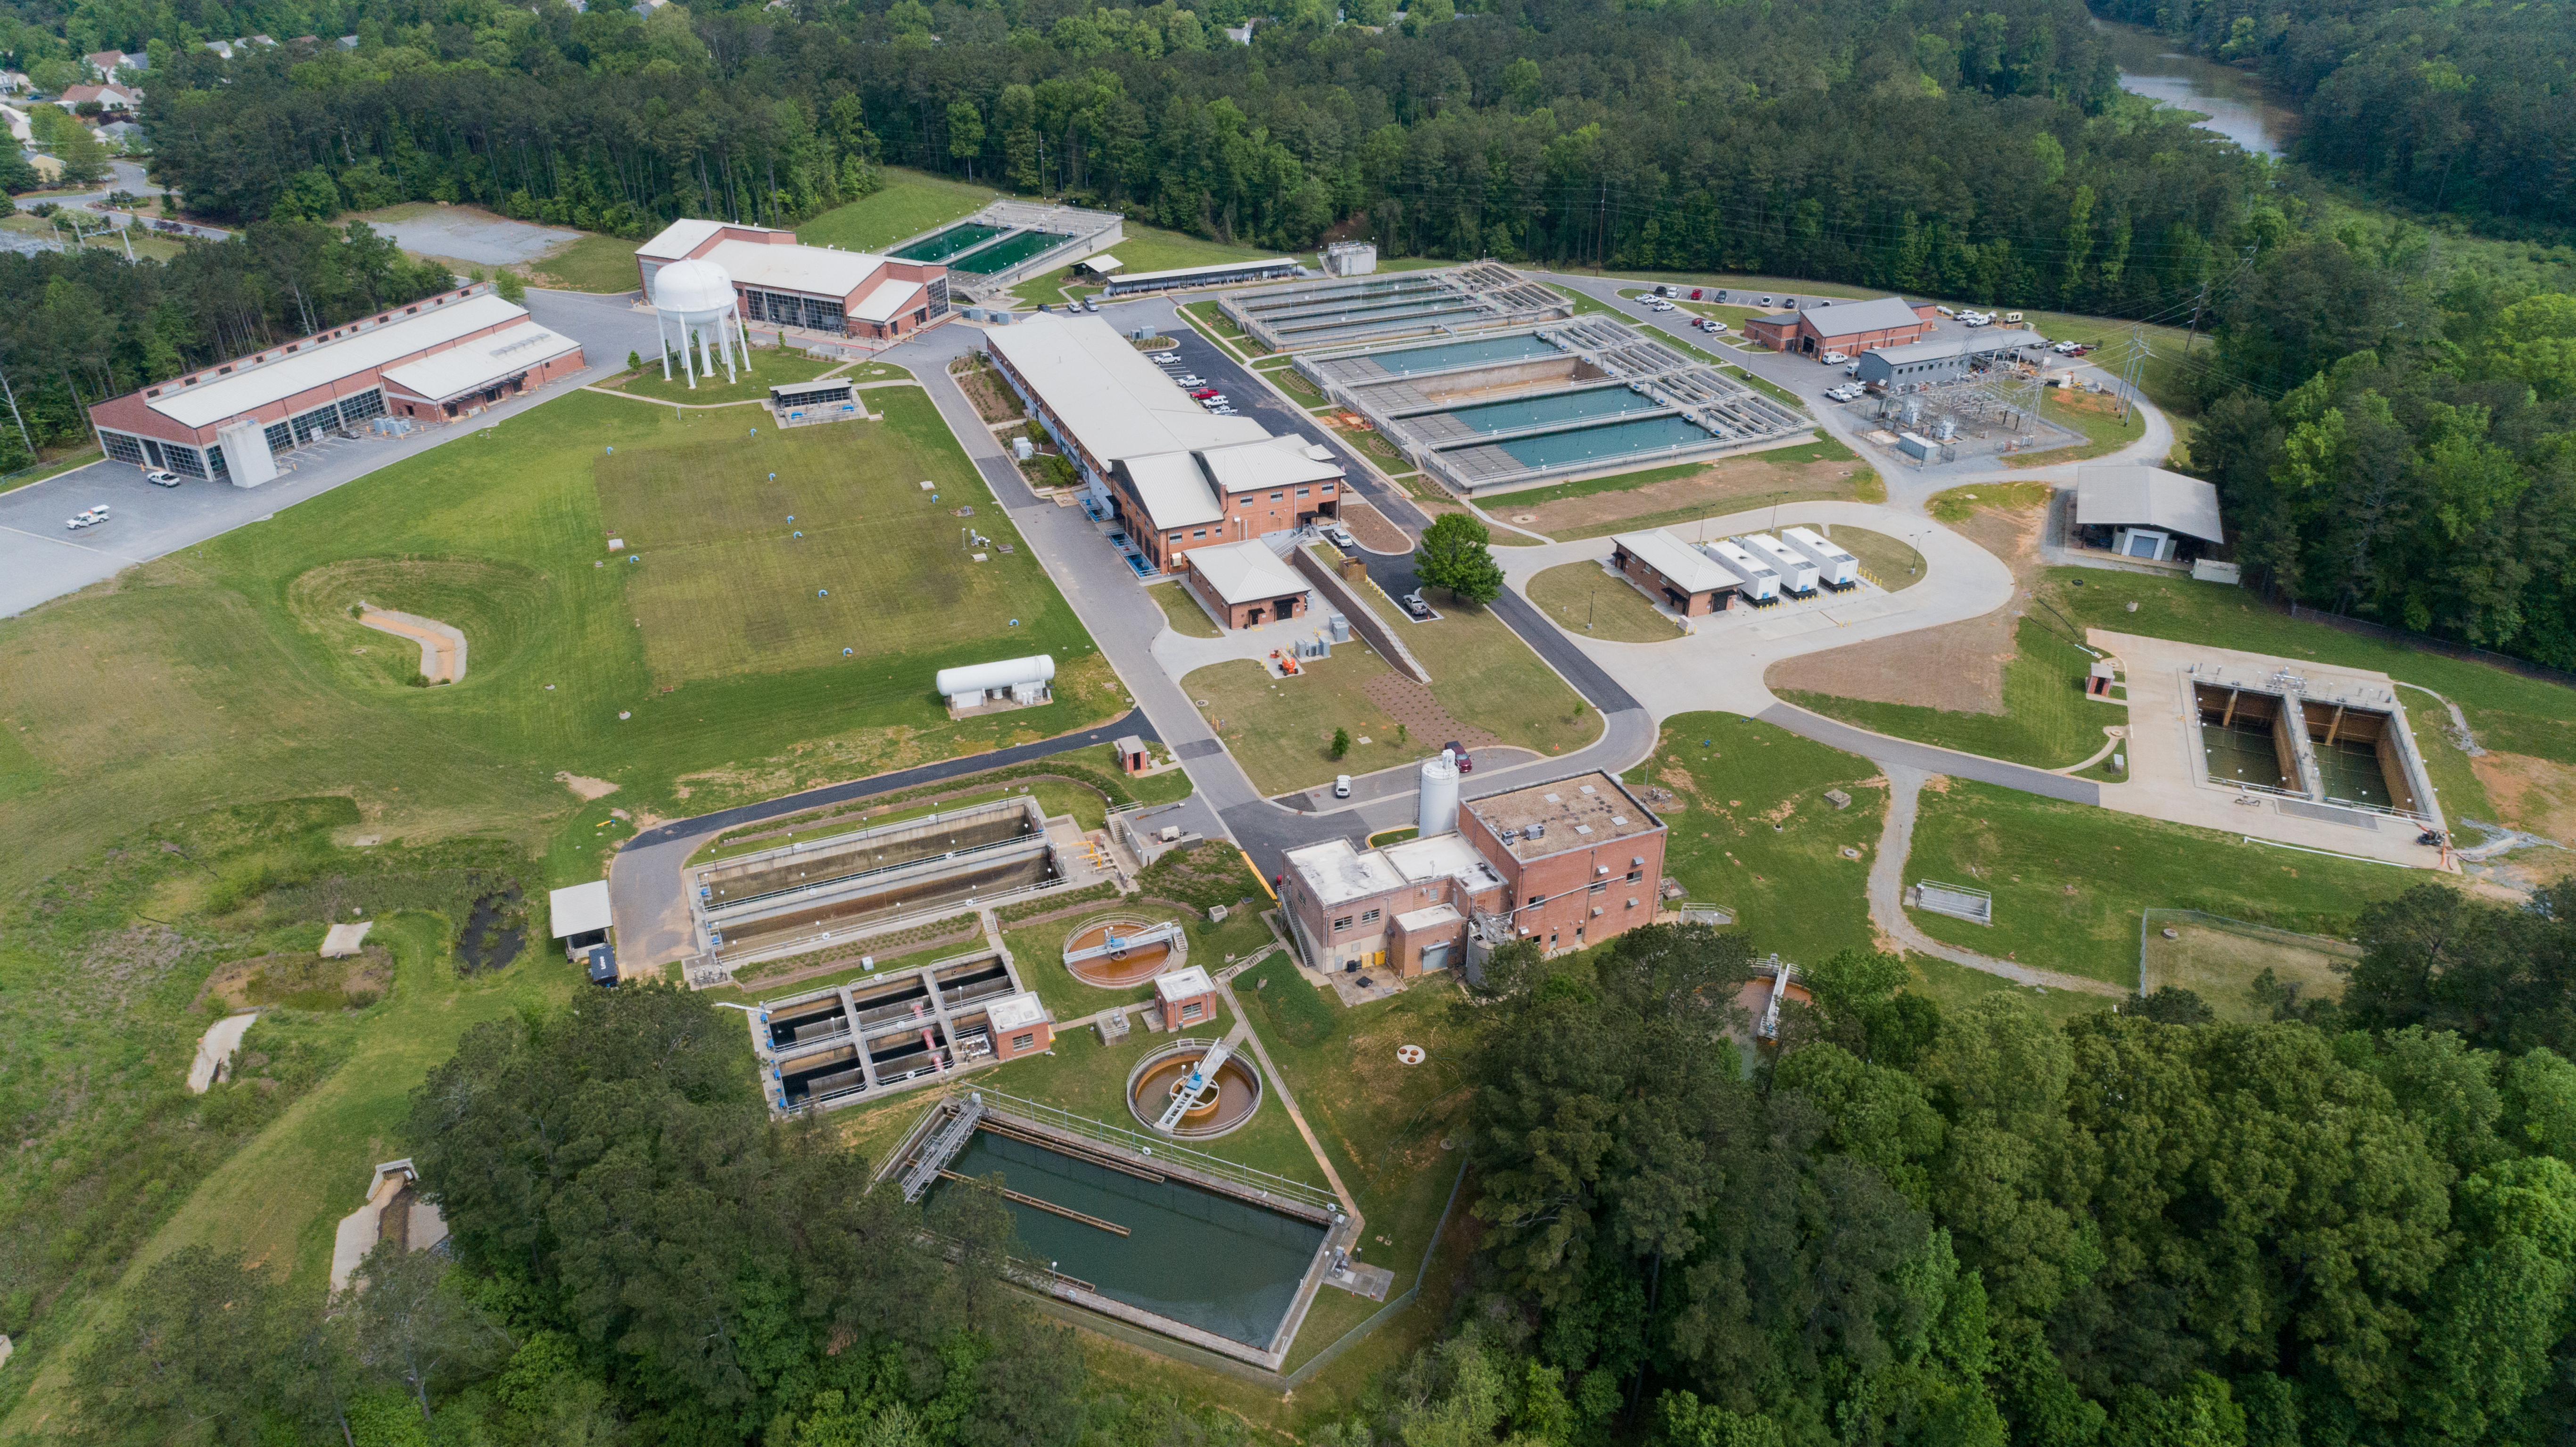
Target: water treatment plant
(807,893)
(1134,1227)
(835,1046)
(1579,396)
(1351,311)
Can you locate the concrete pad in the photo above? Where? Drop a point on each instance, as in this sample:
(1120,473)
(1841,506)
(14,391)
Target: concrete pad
(345,940)
(463,234)
(215,1050)
(442,645)
(2164,742)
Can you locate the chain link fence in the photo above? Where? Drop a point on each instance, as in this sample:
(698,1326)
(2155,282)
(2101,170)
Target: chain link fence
(2219,959)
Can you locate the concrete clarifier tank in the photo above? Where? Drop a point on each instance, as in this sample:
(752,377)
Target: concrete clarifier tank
(1439,800)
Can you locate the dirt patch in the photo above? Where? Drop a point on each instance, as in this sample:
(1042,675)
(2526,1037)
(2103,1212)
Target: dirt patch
(299,982)
(588,788)
(1412,705)
(1714,487)
(993,401)
(2533,795)
(1372,529)
(1957,667)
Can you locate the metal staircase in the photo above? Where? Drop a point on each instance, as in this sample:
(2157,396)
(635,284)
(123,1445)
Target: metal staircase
(942,1147)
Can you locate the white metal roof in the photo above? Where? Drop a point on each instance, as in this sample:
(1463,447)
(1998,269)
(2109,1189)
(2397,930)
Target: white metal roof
(1682,565)
(1114,402)
(1246,572)
(580,909)
(818,270)
(1222,268)
(886,301)
(1175,492)
(1335,873)
(480,362)
(319,365)
(2005,340)
(2120,497)
(1182,984)
(1101,265)
(1843,318)
(1276,462)
(683,236)
(1013,1011)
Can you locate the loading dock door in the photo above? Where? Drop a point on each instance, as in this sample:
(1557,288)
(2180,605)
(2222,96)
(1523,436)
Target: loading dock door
(1436,957)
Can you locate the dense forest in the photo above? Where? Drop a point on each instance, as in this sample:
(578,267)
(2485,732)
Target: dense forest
(2457,108)
(2355,1224)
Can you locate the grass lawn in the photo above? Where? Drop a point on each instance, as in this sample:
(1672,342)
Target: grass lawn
(910,202)
(2069,880)
(1589,600)
(728,586)
(602,265)
(2092,414)
(1219,328)
(1891,563)
(770,367)
(1183,611)
(2047,721)
(2219,962)
(231,673)
(1388,1127)
(1038,950)
(1280,729)
(1958,504)
(1751,829)
(38,472)
(1955,987)
(2507,711)
(1773,390)
(279,1196)
(1144,248)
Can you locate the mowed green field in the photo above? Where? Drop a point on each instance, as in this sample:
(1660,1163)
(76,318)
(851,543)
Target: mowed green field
(910,202)
(780,550)
(232,673)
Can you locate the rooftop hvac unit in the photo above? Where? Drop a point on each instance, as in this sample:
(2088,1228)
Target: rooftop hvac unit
(1596,911)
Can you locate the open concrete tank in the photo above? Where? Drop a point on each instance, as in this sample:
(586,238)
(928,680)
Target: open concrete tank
(1439,802)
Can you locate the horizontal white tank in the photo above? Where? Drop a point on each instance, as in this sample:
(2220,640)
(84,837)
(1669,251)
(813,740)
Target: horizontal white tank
(1797,574)
(982,678)
(1836,567)
(1761,580)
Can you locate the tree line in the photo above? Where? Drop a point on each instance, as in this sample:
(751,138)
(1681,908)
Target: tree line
(2353,1224)
(77,327)
(2460,109)
(2395,438)
(1971,148)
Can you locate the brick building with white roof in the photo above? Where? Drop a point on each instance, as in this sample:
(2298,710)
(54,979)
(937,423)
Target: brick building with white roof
(439,358)
(780,280)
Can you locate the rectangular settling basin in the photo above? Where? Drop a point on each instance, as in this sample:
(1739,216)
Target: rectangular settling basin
(2241,738)
(1197,1257)
(1003,255)
(2358,758)
(964,237)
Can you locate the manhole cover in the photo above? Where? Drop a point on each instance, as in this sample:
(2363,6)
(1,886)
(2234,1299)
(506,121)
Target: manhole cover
(1409,1054)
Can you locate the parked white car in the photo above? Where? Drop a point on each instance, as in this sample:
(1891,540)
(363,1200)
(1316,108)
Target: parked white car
(161,477)
(1832,359)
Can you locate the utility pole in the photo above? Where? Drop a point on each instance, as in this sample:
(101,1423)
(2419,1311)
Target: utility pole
(2129,367)
(2197,303)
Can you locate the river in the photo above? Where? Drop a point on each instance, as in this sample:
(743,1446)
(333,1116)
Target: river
(2237,102)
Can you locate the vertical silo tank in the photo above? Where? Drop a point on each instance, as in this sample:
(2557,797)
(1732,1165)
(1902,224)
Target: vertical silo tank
(1439,801)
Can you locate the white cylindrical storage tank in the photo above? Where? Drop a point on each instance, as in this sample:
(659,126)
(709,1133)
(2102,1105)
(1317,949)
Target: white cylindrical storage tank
(1438,812)
(696,298)
(1761,580)
(1836,568)
(1797,574)
(967,686)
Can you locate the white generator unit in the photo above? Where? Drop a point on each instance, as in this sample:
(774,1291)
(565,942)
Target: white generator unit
(1021,680)
(1797,573)
(1835,568)
(1761,580)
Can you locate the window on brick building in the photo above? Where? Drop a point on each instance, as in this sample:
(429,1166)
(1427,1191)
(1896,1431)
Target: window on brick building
(1193,1010)
(1341,924)
(1369,918)
(1023,1042)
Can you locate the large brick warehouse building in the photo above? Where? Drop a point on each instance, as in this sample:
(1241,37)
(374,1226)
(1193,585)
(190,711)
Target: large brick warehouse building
(433,360)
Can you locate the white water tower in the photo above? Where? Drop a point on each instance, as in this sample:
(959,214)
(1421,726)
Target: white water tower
(1439,798)
(697,296)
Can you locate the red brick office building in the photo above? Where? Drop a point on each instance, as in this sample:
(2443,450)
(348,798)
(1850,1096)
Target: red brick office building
(1848,327)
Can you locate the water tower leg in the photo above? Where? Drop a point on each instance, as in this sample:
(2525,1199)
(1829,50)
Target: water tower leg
(688,364)
(662,337)
(706,353)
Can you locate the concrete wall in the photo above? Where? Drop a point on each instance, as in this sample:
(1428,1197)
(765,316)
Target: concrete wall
(1343,597)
